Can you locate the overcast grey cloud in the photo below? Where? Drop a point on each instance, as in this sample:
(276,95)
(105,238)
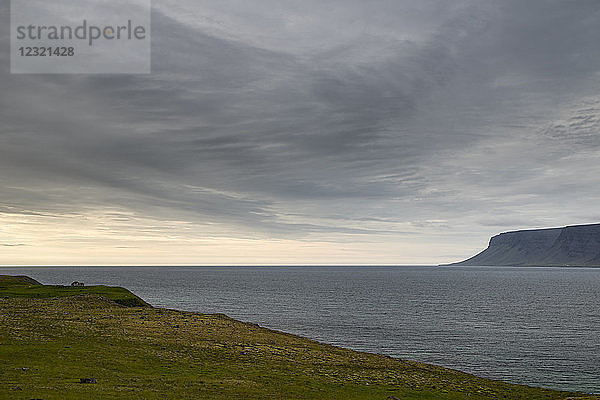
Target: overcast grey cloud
(412,130)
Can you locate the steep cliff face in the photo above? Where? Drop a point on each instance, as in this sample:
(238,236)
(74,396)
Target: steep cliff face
(569,246)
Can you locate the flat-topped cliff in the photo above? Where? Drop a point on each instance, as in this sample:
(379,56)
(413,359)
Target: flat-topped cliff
(569,246)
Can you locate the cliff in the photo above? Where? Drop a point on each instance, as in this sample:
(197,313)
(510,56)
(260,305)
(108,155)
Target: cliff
(568,246)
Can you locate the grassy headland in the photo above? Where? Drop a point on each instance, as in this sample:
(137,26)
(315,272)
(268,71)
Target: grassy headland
(51,337)
(26,287)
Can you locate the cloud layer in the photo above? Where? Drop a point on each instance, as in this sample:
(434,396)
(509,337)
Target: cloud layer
(280,132)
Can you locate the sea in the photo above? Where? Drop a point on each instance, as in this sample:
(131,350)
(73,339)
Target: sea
(532,326)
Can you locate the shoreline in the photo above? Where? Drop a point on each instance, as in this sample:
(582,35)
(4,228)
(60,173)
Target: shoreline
(265,360)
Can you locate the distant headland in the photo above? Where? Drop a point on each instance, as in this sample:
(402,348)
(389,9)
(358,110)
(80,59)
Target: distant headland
(570,246)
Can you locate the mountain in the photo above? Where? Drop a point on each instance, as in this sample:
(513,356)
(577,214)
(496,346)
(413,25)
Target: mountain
(569,246)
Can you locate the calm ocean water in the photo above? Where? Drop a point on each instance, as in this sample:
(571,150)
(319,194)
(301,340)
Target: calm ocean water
(535,326)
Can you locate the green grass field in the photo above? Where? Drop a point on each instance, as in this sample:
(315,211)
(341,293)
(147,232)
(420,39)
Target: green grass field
(25,287)
(50,337)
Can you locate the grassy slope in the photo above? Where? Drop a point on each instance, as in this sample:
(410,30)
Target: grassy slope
(25,287)
(150,353)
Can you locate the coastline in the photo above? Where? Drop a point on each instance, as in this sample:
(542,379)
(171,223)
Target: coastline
(147,352)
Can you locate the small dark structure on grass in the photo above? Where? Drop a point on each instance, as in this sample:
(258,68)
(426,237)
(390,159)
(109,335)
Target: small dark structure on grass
(77,284)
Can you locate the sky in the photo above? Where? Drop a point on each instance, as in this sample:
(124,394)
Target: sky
(308,132)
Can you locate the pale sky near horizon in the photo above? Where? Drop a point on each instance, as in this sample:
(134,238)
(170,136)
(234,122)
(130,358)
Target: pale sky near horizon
(308,132)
